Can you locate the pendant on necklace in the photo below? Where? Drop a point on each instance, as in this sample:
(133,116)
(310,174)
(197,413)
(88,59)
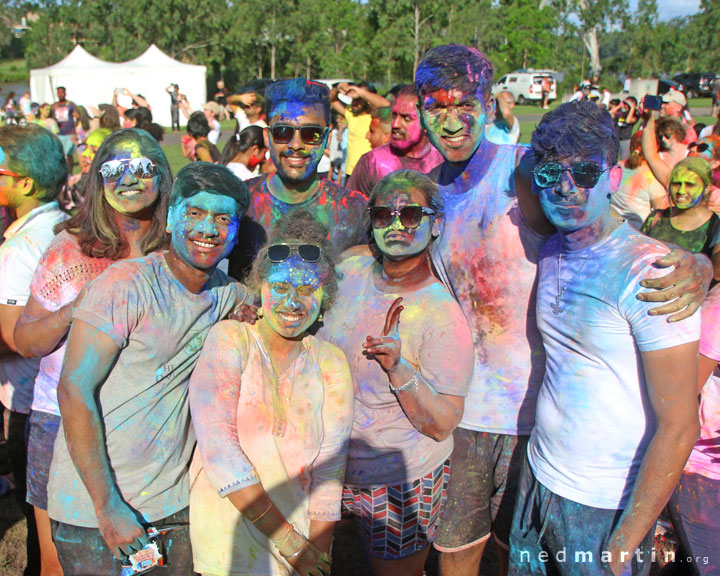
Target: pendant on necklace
(556,307)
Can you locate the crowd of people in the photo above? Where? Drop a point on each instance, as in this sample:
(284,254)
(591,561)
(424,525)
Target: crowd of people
(424,328)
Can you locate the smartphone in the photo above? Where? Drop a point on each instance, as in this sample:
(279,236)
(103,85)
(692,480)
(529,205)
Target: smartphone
(652,102)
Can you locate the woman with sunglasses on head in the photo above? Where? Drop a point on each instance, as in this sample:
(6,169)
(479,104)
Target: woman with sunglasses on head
(411,355)
(244,152)
(123,216)
(688,222)
(272,411)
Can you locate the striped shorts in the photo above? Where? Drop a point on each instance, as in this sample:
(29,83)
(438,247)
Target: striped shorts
(397,521)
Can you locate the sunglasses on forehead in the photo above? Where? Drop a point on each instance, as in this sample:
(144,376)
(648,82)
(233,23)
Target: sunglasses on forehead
(699,147)
(410,216)
(113,170)
(585,174)
(284,134)
(277,253)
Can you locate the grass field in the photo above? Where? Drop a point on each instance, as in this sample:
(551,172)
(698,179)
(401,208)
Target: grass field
(14,71)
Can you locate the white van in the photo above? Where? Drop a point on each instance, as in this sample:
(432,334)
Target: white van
(526,85)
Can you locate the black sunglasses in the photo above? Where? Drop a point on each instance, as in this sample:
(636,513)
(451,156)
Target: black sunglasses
(113,170)
(410,216)
(284,133)
(585,174)
(277,253)
(700,148)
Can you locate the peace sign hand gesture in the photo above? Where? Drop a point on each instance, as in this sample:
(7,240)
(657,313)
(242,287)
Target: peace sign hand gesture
(387,348)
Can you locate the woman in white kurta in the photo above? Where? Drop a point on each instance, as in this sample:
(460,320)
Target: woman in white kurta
(272,409)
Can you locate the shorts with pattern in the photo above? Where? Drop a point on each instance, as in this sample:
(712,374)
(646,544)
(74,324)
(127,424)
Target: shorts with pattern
(397,521)
(481,493)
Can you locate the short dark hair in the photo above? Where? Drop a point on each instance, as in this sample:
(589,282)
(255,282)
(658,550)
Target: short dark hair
(37,153)
(197,125)
(576,128)
(217,179)
(454,66)
(298,90)
(407,90)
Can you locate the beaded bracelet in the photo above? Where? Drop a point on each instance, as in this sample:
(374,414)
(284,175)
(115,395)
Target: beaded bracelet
(413,382)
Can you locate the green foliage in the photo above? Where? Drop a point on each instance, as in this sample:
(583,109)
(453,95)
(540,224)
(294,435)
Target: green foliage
(377,40)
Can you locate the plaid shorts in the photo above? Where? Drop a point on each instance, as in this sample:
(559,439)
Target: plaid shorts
(397,521)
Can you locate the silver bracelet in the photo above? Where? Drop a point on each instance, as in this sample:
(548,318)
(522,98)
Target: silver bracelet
(413,382)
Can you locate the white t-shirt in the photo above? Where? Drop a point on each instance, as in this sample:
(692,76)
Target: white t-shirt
(214,134)
(499,132)
(634,199)
(240,170)
(25,241)
(489,254)
(593,421)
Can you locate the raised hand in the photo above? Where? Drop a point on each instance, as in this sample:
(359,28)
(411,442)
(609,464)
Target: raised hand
(387,348)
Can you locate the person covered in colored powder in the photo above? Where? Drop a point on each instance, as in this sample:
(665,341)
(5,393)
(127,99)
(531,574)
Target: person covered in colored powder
(617,481)
(488,252)
(411,356)
(695,505)
(408,148)
(639,191)
(32,173)
(688,222)
(272,407)
(121,460)
(299,116)
(123,216)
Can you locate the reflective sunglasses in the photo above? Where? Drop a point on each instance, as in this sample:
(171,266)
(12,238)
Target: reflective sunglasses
(113,170)
(410,216)
(10,173)
(284,133)
(699,148)
(277,253)
(585,174)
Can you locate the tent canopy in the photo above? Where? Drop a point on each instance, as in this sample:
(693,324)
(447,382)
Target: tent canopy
(91,81)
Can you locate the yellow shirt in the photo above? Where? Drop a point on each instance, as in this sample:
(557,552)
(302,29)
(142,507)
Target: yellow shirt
(357,144)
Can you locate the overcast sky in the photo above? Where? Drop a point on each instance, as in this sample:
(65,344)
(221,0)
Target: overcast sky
(671,8)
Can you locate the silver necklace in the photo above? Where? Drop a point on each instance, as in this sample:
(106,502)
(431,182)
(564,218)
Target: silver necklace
(279,417)
(556,309)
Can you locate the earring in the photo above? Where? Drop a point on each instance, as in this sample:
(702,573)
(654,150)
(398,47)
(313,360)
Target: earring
(260,313)
(320,317)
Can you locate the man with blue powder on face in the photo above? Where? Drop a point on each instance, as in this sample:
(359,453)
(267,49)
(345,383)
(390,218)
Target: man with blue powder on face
(617,413)
(121,459)
(298,120)
(488,254)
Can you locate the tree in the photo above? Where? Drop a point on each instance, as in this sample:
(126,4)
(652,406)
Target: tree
(594,17)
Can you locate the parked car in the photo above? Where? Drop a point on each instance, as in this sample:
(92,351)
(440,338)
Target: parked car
(696,84)
(526,85)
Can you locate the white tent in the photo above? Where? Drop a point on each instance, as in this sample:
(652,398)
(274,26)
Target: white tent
(91,81)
